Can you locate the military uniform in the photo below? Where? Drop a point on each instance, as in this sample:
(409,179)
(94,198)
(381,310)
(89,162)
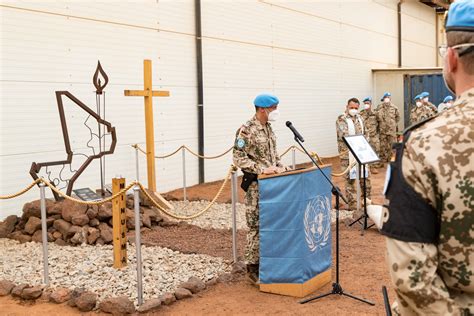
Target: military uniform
(254,150)
(371,126)
(430,230)
(342,129)
(421,113)
(388,118)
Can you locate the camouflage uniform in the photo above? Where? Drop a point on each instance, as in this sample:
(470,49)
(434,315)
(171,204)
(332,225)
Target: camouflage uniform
(421,113)
(254,150)
(388,118)
(350,185)
(371,128)
(437,162)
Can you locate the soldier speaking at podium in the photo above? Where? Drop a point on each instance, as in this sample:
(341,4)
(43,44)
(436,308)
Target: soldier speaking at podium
(255,153)
(430,220)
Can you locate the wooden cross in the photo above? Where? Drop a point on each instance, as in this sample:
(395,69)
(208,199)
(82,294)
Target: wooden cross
(148,93)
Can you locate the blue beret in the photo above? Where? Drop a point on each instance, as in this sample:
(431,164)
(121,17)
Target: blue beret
(448,98)
(417,97)
(266,100)
(424,94)
(461,16)
(367,99)
(386,94)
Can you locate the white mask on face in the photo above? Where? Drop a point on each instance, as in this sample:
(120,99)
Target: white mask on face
(386,100)
(418,103)
(353,112)
(274,115)
(426,99)
(366,106)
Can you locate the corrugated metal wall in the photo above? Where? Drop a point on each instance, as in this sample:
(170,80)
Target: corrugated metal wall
(313,54)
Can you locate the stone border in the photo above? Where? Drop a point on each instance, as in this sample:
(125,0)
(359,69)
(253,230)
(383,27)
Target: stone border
(86,301)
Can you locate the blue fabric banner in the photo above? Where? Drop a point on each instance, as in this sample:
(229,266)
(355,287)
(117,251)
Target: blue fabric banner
(295,227)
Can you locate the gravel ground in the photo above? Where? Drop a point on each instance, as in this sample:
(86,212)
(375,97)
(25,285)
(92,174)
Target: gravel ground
(90,267)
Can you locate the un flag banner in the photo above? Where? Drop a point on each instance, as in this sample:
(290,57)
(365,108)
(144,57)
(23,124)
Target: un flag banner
(295,226)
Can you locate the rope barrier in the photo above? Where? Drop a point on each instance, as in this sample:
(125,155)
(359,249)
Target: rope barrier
(231,170)
(142,188)
(11,196)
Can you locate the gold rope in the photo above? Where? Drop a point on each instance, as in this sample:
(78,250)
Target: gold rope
(11,196)
(231,170)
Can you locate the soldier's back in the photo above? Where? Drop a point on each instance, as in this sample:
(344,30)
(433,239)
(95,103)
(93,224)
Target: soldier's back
(439,165)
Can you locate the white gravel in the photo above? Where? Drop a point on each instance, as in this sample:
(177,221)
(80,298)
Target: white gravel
(218,216)
(91,267)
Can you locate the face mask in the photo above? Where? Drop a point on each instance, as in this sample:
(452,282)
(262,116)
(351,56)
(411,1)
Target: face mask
(426,99)
(386,100)
(418,103)
(274,115)
(366,106)
(449,105)
(353,112)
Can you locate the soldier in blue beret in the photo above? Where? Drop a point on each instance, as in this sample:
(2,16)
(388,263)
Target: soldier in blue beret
(429,223)
(255,153)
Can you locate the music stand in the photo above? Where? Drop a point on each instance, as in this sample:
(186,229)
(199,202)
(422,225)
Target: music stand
(364,154)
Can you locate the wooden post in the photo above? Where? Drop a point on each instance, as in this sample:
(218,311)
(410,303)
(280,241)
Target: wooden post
(119,222)
(148,94)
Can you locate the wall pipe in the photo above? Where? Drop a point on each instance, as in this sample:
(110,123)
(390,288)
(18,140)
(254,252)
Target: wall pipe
(200,87)
(399,17)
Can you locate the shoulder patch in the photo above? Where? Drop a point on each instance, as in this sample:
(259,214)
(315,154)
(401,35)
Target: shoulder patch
(240,143)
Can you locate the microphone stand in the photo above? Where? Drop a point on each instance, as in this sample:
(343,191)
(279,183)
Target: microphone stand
(336,286)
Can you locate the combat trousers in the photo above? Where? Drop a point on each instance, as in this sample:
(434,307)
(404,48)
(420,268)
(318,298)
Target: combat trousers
(252,248)
(351,190)
(386,142)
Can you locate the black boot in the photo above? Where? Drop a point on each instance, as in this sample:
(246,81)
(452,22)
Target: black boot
(252,272)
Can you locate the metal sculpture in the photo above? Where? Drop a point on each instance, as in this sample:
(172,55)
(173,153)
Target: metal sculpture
(105,128)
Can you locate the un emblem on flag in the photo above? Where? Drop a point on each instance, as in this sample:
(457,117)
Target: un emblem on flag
(317,223)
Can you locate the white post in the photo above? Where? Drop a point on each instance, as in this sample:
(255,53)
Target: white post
(184,173)
(136,163)
(293,157)
(136,197)
(44,231)
(234,214)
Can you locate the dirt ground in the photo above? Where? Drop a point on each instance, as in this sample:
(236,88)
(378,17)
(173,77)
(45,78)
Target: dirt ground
(363,270)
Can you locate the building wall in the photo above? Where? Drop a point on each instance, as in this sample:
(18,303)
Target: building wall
(313,54)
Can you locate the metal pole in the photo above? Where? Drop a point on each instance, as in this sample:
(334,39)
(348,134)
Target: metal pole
(293,157)
(44,233)
(138,246)
(234,214)
(358,187)
(184,173)
(136,162)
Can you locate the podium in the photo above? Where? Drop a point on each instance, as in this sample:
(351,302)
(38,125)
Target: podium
(295,231)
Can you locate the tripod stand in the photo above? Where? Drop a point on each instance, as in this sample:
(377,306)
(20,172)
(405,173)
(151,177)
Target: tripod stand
(364,216)
(336,287)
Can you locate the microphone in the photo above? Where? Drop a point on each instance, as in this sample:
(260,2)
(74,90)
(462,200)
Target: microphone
(293,129)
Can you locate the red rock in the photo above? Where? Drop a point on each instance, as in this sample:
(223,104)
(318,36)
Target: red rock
(86,301)
(8,225)
(117,305)
(33,224)
(168,298)
(60,295)
(182,293)
(32,293)
(71,209)
(6,287)
(194,284)
(22,238)
(80,219)
(62,226)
